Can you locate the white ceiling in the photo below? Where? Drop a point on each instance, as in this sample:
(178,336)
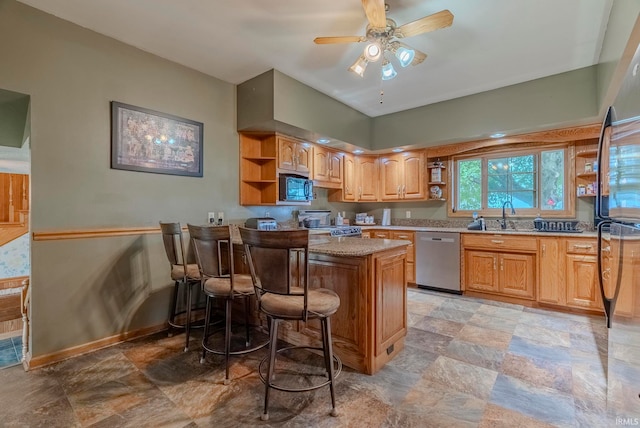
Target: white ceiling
(491,44)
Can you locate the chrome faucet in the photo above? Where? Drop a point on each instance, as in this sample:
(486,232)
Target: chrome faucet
(503,223)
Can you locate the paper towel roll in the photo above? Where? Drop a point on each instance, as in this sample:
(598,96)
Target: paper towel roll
(386,217)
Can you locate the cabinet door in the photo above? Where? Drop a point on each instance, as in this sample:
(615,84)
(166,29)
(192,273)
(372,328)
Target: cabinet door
(390,301)
(349,178)
(411,266)
(335,167)
(320,164)
(481,270)
(390,178)
(286,154)
(582,282)
(551,287)
(367,176)
(304,157)
(413,182)
(517,275)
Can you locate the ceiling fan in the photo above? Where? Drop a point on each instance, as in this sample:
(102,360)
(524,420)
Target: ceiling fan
(382,36)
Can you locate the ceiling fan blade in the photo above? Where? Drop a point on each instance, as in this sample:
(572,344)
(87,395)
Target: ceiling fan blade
(420,56)
(375,11)
(341,39)
(433,22)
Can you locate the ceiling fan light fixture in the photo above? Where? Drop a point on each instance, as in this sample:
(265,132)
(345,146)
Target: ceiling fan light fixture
(388,72)
(359,66)
(373,51)
(405,56)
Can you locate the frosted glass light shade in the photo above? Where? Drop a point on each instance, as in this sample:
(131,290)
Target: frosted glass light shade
(359,66)
(405,56)
(388,72)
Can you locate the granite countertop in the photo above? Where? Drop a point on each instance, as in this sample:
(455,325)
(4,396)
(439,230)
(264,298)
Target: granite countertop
(352,246)
(340,245)
(530,232)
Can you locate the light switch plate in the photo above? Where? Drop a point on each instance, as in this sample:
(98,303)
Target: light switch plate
(408,214)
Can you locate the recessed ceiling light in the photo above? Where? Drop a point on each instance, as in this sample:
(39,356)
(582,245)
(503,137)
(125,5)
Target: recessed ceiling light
(397,150)
(497,135)
(358,151)
(323,141)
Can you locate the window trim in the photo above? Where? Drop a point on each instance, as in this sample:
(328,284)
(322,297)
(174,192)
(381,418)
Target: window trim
(569,171)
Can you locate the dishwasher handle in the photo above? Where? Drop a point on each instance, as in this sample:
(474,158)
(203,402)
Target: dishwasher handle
(433,239)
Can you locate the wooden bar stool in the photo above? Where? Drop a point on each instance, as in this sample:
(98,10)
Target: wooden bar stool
(279,264)
(214,255)
(182,273)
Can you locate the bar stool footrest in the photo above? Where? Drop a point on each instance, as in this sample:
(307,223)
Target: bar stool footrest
(256,332)
(336,371)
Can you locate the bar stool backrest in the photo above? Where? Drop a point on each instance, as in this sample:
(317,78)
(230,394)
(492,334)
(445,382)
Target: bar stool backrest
(173,243)
(213,250)
(278,261)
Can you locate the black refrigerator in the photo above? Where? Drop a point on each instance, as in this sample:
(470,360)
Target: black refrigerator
(618,206)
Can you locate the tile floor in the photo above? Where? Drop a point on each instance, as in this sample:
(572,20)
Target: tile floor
(467,363)
(10,351)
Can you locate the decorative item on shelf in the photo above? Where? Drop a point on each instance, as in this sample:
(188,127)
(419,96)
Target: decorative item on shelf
(436,192)
(436,174)
(588,167)
(582,189)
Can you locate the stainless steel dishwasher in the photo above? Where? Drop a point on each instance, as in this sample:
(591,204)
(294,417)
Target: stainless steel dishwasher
(438,261)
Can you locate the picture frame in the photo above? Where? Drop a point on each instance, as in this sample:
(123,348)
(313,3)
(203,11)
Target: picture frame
(145,140)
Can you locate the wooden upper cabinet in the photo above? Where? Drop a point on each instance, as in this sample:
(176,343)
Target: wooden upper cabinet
(294,155)
(327,167)
(413,175)
(348,178)
(402,176)
(367,178)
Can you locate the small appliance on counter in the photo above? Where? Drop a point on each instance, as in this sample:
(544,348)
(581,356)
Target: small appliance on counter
(261,223)
(312,219)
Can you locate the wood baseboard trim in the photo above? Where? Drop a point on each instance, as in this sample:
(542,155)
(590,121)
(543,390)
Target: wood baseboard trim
(45,360)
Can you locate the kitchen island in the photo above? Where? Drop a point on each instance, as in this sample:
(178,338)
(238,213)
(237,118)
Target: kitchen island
(369,275)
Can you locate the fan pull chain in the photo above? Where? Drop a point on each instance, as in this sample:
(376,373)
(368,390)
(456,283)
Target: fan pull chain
(381,91)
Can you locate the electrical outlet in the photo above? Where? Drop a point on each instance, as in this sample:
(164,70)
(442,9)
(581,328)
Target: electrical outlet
(212,217)
(408,214)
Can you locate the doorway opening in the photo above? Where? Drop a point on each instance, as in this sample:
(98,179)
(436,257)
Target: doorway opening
(15,201)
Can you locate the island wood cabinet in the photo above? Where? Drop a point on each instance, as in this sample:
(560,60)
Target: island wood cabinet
(500,264)
(294,155)
(327,168)
(402,176)
(370,325)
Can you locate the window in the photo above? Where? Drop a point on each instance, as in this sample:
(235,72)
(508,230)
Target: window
(533,180)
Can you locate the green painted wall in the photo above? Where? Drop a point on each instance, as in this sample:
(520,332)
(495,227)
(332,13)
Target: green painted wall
(87,289)
(565,99)
(14,107)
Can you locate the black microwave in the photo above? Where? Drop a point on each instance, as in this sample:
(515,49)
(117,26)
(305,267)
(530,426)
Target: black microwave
(295,188)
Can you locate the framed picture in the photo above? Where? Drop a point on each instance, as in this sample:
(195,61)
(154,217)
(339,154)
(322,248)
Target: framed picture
(149,141)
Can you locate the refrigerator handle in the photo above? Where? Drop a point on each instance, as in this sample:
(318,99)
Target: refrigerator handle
(607,302)
(608,119)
